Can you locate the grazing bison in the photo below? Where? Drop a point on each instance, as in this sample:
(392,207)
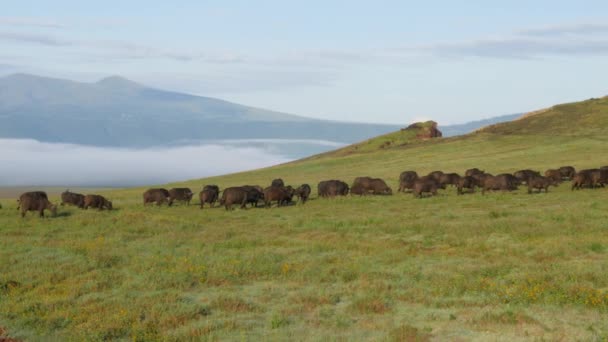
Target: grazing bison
(180,194)
(425,185)
(466,182)
(523,175)
(504,182)
(234,195)
(72,198)
(158,196)
(97,202)
(554,175)
(277,182)
(567,172)
(303,192)
(541,183)
(473,171)
(209,194)
(332,188)
(406,180)
(371,186)
(36,201)
(449,178)
(281,194)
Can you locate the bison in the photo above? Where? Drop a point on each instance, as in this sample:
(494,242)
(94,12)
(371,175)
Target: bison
(435,175)
(303,192)
(523,175)
(425,185)
(255,193)
(209,194)
(180,194)
(372,186)
(480,178)
(36,201)
(567,172)
(466,182)
(234,195)
(504,182)
(541,183)
(281,194)
(406,180)
(158,196)
(449,178)
(554,175)
(97,202)
(590,178)
(72,198)
(332,188)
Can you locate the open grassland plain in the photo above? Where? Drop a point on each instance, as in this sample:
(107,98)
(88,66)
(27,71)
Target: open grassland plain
(504,266)
(501,266)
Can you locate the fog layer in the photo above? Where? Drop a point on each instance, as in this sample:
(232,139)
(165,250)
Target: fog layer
(29,162)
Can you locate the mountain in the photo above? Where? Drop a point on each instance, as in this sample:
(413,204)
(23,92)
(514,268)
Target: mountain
(117,112)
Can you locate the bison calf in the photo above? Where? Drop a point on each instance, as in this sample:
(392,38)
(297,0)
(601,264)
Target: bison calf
(303,192)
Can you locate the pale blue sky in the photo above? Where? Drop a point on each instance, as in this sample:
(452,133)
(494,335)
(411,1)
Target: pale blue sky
(370,61)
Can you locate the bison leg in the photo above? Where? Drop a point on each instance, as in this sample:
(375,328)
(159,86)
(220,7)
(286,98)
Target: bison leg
(22,213)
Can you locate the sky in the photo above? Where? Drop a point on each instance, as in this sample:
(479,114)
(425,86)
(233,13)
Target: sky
(366,61)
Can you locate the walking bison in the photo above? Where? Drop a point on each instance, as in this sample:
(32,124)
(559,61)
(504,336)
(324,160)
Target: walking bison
(158,196)
(181,195)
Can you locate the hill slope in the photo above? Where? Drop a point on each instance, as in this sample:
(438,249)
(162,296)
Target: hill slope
(507,266)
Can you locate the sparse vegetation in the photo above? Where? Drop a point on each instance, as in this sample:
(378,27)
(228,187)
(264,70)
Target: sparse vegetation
(504,265)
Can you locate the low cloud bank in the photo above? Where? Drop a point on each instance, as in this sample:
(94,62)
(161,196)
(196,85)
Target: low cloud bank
(30,162)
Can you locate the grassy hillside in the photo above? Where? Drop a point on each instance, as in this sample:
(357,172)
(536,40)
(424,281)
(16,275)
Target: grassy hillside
(505,266)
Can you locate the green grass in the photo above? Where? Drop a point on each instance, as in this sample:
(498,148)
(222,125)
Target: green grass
(501,266)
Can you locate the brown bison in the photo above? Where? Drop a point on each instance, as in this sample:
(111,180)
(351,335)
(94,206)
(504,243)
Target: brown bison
(72,198)
(97,202)
(523,175)
(504,182)
(371,186)
(541,183)
(282,195)
(567,172)
(180,194)
(332,188)
(209,194)
(35,201)
(590,178)
(449,179)
(406,180)
(554,175)
(466,182)
(158,196)
(277,182)
(234,195)
(480,178)
(473,171)
(303,192)
(425,185)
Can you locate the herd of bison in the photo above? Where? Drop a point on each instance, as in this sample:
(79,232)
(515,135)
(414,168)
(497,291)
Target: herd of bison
(409,181)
